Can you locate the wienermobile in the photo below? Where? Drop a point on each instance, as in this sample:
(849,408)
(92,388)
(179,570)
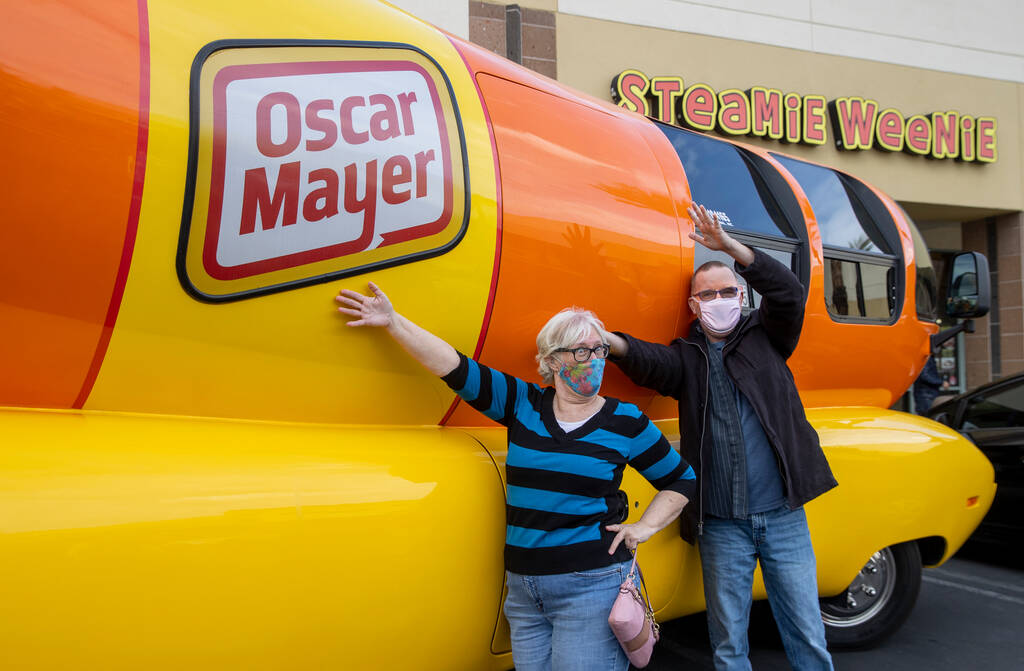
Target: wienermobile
(201,466)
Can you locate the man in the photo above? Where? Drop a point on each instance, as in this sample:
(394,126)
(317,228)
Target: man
(744,431)
(927,387)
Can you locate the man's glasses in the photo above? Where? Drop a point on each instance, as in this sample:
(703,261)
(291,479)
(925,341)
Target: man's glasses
(584,353)
(709,294)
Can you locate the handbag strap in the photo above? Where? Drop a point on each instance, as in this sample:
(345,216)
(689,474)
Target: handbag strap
(634,572)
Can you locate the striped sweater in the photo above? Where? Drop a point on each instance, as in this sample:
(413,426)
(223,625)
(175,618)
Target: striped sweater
(563,488)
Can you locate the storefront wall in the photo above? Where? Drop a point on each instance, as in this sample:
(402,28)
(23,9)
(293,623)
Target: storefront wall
(601,49)
(909,56)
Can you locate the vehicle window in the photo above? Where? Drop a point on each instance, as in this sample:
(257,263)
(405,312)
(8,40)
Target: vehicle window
(926,294)
(724,181)
(842,220)
(855,289)
(749,195)
(862,274)
(996,409)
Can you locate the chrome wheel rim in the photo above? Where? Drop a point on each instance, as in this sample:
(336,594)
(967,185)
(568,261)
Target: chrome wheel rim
(869,592)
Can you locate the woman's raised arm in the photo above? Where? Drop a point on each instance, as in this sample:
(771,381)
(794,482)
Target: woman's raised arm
(434,354)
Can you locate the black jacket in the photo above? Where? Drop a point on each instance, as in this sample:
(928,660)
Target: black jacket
(755,356)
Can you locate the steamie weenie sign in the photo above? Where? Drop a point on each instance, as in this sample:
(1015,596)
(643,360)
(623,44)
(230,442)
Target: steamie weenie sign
(310,163)
(857,123)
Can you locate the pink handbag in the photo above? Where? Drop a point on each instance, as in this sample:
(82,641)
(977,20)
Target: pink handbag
(632,620)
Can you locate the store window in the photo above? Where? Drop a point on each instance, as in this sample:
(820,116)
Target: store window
(749,196)
(859,241)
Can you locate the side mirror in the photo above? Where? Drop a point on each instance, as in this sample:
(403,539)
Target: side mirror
(970,289)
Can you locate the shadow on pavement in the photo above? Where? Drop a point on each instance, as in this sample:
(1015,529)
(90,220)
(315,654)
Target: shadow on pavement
(995,555)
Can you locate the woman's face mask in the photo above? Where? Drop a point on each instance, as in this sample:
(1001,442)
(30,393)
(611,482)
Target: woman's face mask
(583,377)
(720,316)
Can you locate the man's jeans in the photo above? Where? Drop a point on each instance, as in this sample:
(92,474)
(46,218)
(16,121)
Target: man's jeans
(560,622)
(729,551)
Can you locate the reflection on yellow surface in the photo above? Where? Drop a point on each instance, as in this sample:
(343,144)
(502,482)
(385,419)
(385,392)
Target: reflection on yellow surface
(132,542)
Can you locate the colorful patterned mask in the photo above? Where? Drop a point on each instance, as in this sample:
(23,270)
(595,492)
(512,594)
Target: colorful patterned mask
(583,377)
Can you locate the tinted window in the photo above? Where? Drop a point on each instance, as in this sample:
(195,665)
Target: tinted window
(722,179)
(926,294)
(854,289)
(842,220)
(862,275)
(1002,408)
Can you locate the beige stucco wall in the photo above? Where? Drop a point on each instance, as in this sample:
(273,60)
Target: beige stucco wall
(547,5)
(591,52)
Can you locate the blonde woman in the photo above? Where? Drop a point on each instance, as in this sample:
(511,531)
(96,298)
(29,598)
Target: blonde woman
(566,551)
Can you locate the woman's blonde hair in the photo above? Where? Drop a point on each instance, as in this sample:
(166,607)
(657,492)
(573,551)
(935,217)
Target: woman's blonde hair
(567,328)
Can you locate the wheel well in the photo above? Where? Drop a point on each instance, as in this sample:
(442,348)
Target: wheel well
(932,548)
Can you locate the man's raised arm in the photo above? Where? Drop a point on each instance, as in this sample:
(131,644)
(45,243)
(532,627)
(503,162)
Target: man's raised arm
(647,364)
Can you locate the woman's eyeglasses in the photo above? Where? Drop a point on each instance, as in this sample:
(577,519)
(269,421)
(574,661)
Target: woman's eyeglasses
(709,294)
(584,353)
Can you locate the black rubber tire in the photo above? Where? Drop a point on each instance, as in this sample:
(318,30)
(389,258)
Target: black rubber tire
(845,628)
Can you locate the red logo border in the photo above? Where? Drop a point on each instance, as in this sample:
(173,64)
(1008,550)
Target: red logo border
(235,72)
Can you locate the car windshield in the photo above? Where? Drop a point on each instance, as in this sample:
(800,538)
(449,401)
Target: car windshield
(1000,408)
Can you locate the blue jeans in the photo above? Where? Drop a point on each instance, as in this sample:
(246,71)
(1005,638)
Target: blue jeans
(560,622)
(730,549)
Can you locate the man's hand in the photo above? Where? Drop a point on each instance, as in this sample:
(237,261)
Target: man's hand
(714,237)
(617,345)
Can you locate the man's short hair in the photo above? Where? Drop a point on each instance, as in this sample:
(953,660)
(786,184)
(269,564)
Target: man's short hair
(708,265)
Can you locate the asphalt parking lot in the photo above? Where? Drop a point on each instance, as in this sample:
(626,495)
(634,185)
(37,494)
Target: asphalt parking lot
(969,615)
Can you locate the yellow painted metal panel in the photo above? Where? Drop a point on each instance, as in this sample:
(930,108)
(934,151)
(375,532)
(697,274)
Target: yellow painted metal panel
(901,477)
(145,542)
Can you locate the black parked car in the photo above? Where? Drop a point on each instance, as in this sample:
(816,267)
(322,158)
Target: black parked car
(992,416)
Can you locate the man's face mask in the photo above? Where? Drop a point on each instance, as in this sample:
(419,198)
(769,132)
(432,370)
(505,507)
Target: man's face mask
(720,309)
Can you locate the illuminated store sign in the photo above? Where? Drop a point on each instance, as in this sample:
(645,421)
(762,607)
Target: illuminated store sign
(857,123)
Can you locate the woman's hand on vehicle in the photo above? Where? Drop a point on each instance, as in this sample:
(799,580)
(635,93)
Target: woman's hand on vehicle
(375,310)
(630,534)
(432,352)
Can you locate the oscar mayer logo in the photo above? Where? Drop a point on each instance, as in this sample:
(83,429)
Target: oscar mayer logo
(315,162)
(857,123)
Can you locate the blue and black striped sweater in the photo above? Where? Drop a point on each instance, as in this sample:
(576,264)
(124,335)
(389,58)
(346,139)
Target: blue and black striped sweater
(563,487)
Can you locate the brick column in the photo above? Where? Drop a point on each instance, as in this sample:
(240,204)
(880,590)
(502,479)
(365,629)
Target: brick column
(488,27)
(540,53)
(1010,241)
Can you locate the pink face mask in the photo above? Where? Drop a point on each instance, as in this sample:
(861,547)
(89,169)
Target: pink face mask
(720,316)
